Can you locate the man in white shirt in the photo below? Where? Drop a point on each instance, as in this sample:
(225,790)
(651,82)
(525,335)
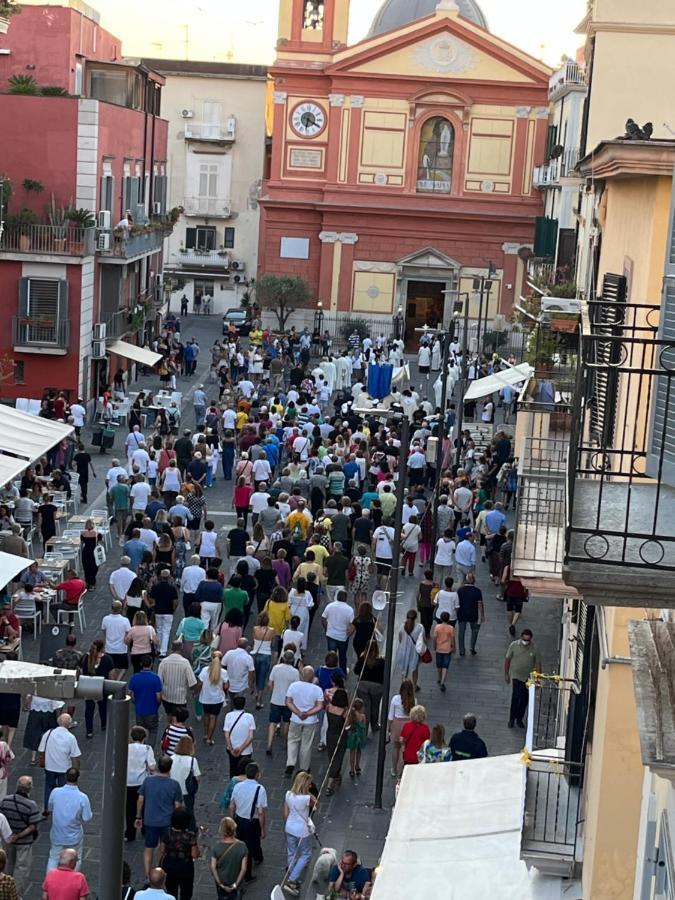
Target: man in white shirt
(111,477)
(133,441)
(305,701)
(446,600)
(239,728)
(191,578)
(462,500)
(248,808)
(383,545)
(71,810)
(78,412)
(148,535)
(465,556)
(58,751)
(246,387)
(258,501)
(262,471)
(140,458)
(416,463)
(115,626)
(338,623)
(301,446)
(240,669)
(120,580)
(282,676)
(444,559)
(140,493)
(229,420)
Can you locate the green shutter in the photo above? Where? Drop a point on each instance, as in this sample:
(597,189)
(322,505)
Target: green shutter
(23,296)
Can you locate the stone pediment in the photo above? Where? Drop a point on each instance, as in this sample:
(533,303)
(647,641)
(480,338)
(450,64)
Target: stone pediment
(429,258)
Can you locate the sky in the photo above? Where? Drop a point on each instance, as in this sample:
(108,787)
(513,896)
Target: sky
(245,30)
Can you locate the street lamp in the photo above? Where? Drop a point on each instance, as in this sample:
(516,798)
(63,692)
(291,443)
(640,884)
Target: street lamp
(393,590)
(483,285)
(318,319)
(63,684)
(398,324)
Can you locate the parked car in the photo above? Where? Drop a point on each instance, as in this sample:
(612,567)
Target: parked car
(239,319)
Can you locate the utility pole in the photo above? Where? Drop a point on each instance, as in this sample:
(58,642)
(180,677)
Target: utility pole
(391,612)
(483,285)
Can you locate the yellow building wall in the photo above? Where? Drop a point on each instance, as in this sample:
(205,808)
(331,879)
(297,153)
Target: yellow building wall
(630,71)
(614,775)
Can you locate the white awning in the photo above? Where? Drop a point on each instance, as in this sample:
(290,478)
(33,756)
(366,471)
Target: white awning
(138,354)
(10,566)
(25,438)
(483,387)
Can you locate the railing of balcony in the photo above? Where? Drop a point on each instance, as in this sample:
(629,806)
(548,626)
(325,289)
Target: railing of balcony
(40,332)
(58,240)
(552,808)
(571,73)
(621,507)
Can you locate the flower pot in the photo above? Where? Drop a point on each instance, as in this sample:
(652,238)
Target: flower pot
(24,242)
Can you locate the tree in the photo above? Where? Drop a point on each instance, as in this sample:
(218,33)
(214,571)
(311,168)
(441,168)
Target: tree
(282,295)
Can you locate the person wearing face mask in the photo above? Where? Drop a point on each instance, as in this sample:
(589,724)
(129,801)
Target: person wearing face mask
(522,658)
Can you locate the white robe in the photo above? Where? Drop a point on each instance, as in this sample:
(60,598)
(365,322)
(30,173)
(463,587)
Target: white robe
(436,356)
(344,372)
(330,373)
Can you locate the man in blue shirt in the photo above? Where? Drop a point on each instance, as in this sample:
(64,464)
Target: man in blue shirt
(495,519)
(146,692)
(158,796)
(134,549)
(348,875)
(70,809)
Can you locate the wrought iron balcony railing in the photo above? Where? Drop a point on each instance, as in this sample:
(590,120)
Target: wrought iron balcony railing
(40,333)
(621,495)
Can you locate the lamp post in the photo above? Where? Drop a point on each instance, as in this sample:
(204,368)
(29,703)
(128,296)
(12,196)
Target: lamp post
(60,684)
(483,286)
(463,371)
(393,593)
(398,323)
(317,328)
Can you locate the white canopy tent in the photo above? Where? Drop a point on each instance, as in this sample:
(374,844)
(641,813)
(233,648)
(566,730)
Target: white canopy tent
(25,438)
(137,354)
(10,566)
(483,387)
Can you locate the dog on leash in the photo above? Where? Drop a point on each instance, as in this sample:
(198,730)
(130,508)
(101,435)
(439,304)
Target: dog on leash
(320,880)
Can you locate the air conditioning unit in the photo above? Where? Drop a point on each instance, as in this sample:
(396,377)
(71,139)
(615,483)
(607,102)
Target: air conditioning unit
(238,279)
(157,209)
(560,304)
(238,266)
(104,219)
(104,240)
(98,349)
(100,330)
(186,113)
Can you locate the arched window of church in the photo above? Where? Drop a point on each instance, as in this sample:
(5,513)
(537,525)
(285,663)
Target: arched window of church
(437,144)
(313,14)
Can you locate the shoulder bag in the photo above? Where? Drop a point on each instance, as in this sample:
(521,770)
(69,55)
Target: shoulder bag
(191,782)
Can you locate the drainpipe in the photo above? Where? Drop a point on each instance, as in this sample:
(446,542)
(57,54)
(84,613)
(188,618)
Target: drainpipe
(605,658)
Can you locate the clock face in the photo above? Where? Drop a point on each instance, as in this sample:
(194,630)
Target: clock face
(308,119)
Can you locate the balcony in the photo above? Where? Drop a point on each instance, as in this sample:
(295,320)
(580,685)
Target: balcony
(552,811)
(47,240)
(620,540)
(551,173)
(207,206)
(569,77)
(116,246)
(206,259)
(205,131)
(38,334)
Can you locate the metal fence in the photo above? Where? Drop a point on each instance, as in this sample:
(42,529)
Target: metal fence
(552,808)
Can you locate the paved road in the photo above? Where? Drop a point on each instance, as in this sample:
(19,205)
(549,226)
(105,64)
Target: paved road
(347,819)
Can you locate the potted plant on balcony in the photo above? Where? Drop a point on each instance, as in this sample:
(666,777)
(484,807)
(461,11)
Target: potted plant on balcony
(58,219)
(23,84)
(80,220)
(8,8)
(20,224)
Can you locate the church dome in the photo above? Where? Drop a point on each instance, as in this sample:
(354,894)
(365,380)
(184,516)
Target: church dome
(399,13)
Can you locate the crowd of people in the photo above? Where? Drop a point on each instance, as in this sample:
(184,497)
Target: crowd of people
(210,624)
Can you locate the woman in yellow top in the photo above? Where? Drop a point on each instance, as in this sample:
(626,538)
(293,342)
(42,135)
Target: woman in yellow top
(240,419)
(255,337)
(309,564)
(279,617)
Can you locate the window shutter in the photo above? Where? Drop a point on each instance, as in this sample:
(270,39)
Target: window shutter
(229,238)
(661,454)
(24,286)
(190,238)
(63,299)
(606,319)
(551,141)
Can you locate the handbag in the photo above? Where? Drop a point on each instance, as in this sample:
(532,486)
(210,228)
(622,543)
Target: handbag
(422,649)
(99,555)
(351,570)
(191,782)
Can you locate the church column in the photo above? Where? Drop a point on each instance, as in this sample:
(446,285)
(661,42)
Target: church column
(336,102)
(348,241)
(522,156)
(329,246)
(355,139)
(276,167)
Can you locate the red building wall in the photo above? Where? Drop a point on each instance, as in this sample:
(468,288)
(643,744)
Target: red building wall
(44,41)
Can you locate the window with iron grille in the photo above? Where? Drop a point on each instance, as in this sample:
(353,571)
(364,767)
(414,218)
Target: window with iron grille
(43,309)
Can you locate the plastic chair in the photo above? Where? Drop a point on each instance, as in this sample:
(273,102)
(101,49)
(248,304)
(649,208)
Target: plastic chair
(71,613)
(27,611)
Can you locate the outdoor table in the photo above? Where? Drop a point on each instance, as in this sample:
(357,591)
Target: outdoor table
(80,521)
(7,647)
(54,567)
(43,596)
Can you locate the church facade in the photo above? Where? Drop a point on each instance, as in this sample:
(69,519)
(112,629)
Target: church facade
(401,167)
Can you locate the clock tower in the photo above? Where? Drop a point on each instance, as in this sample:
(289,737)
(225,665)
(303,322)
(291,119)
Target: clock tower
(311,30)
